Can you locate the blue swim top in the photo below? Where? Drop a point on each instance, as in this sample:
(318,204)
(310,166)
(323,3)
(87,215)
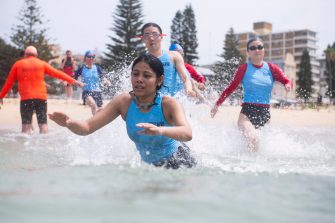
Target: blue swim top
(172,83)
(152,149)
(257,84)
(90,76)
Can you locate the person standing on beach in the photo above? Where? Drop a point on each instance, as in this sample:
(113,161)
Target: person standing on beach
(30,72)
(68,66)
(92,76)
(191,70)
(257,78)
(175,73)
(155,123)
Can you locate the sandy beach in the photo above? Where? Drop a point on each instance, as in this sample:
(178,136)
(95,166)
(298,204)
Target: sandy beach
(10,114)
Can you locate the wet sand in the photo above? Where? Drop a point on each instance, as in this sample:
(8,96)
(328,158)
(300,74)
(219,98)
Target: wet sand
(10,114)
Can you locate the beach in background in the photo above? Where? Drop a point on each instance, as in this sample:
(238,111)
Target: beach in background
(10,114)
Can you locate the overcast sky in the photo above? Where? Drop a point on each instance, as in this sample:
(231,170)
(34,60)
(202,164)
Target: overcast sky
(79,25)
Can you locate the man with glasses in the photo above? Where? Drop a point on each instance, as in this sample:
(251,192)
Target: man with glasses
(175,73)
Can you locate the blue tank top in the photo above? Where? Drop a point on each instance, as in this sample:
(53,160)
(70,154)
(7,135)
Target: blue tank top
(257,84)
(172,83)
(151,148)
(91,78)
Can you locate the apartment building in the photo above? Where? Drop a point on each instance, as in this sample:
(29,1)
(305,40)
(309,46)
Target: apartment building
(278,45)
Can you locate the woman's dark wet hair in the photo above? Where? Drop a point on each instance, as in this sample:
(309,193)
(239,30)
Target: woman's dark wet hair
(149,25)
(253,40)
(154,63)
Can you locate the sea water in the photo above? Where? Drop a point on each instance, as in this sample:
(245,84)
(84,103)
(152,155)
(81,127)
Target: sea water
(62,177)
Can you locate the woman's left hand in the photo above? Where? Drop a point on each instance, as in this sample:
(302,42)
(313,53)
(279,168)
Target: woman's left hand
(149,129)
(60,118)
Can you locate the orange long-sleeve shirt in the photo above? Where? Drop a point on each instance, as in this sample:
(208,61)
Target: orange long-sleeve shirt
(29,72)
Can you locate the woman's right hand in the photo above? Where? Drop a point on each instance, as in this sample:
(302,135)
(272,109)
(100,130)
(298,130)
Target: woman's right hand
(60,118)
(79,84)
(214,111)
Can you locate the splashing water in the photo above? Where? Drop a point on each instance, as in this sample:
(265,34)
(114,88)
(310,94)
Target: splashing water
(62,177)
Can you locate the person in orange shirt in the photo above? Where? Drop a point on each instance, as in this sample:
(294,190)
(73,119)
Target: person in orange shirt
(30,72)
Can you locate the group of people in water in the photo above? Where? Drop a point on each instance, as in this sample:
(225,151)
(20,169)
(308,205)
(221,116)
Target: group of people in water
(155,120)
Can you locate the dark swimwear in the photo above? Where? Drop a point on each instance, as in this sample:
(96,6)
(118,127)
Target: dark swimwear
(181,158)
(258,115)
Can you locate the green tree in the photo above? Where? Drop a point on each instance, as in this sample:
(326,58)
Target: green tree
(8,57)
(305,81)
(231,58)
(190,41)
(184,32)
(330,70)
(125,47)
(177,28)
(30,30)
(126,26)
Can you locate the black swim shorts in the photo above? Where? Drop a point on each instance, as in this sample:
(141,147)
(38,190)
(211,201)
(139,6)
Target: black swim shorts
(258,115)
(96,95)
(182,157)
(28,107)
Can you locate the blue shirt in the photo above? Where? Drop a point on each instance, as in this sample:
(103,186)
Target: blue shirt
(257,84)
(172,83)
(90,77)
(156,148)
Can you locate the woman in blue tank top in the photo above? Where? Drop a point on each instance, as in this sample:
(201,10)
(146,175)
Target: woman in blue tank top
(176,77)
(155,123)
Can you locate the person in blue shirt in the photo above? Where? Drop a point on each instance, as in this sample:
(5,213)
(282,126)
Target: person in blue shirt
(257,78)
(176,78)
(155,123)
(91,75)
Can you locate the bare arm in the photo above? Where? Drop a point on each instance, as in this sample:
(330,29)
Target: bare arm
(238,76)
(112,110)
(180,66)
(74,64)
(175,116)
(63,63)
(12,77)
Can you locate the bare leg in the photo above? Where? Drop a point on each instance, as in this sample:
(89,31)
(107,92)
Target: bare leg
(90,102)
(27,128)
(249,132)
(69,91)
(43,128)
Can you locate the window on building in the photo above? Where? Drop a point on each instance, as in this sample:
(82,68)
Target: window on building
(289,43)
(310,33)
(300,33)
(289,51)
(289,35)
(276,44)
(298,50)
(276,52)
(266,38)
(300,41)
(277,36)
